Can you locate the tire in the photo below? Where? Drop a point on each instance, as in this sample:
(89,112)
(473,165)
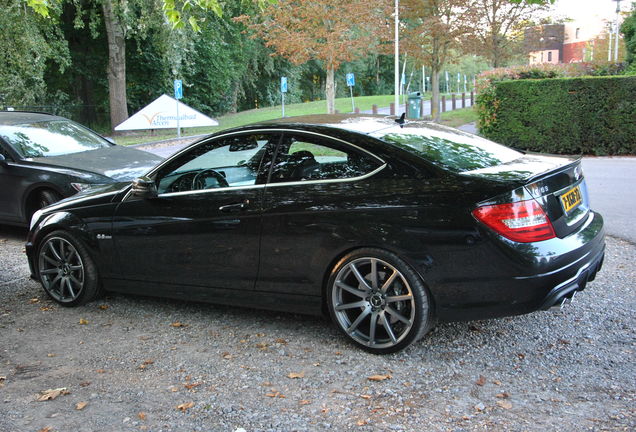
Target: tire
(47,197)
(381,314)
(66,270)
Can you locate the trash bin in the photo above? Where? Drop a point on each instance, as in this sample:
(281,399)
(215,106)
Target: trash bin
(415,105)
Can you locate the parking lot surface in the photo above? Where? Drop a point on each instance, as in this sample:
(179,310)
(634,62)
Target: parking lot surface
(129,363)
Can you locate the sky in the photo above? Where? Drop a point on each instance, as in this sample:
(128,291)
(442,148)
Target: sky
(586,10)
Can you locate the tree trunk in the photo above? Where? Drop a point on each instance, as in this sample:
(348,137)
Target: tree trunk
(330,90)
(116,65)
(435,114)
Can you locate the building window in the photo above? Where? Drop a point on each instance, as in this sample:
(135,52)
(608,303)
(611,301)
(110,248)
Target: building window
(549,56)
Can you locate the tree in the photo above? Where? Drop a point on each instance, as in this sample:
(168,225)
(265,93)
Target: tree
(29,42)
(628,28)
(432,33)
(330,31)
(498,21)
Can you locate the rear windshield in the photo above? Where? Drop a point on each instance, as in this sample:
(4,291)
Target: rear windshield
(50,138)
(457,152)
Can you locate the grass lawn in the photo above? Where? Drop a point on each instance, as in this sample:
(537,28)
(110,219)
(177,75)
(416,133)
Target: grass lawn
(459,117)
(343,105)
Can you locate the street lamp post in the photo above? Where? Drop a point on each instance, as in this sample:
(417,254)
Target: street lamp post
(396,64)
(618,10)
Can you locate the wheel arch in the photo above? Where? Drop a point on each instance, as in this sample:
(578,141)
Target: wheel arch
(31,194)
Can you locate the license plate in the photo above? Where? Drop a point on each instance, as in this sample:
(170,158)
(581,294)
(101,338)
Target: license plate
(571,199)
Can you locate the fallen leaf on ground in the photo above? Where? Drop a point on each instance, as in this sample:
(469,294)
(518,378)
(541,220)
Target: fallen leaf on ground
(521,356)
(173,389)
(46,308)
(496,382)
(361,422)
(34,300)
(190,386)
(51,394)
(46,429)
(281,341)
(294,375)
(80,405)
(145,364)
(262,345)
(103,307)
(178,324)
(260,334)
(379,377)
(142,416)
(504,404)
(304,402)
(503,395)
(481,380)
(275,394)
(51,355)
(101,371)
(83,321)
(184,406)
(85,383)
(367,397)
(227,356)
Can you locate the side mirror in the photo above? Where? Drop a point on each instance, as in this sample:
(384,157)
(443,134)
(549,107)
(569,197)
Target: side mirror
(3,161)
(144,187)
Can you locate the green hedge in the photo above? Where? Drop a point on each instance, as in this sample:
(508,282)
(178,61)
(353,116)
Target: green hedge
(590,115)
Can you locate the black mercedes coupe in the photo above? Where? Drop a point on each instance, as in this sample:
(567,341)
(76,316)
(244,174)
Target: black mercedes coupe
(45,158)
(388,227)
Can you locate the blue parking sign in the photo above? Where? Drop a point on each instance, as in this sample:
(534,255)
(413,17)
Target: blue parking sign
(283,84)
(178,89)
(351,80)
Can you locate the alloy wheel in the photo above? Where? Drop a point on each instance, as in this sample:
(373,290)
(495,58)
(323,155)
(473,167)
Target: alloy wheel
(61,269)
(373,302)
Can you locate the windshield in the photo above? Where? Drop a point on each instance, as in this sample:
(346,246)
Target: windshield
(50,138)
(452,151)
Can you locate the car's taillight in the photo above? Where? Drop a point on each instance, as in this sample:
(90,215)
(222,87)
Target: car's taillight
(522,221)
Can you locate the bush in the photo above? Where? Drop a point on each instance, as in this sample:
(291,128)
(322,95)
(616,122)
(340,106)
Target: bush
(591,115)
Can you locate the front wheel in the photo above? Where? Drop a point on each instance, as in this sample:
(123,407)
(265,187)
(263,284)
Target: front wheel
(66,270)
(378,301)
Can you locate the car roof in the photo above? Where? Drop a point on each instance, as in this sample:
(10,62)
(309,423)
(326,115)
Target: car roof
(20,117)
(368,124)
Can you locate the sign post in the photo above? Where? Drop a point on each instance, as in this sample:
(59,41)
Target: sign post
(351,81)
(283,90)
(178,94)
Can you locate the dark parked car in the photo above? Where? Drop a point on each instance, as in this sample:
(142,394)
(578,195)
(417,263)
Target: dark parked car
(45,158)
(386,227)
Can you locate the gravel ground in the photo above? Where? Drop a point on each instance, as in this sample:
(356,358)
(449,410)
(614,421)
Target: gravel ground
(159,365)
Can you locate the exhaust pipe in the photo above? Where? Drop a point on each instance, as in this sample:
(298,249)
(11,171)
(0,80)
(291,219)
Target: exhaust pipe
(563,302)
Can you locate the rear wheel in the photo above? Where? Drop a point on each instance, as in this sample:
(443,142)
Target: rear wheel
(378,301)
(66,270)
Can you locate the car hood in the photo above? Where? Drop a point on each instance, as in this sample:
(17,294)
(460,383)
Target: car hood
(118,163)
(523,169)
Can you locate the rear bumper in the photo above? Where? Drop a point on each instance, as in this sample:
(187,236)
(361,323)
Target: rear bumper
(519,278)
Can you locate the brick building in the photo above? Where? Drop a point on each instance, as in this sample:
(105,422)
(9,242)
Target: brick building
(560,43)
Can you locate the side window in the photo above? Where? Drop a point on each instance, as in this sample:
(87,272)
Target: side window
(303,158)
(227,162)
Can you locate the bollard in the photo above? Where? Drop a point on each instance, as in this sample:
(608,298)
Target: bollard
(472,98)
(374,109)
(453,102)
(357,110)
(463,100)
(392,108)
(443,103)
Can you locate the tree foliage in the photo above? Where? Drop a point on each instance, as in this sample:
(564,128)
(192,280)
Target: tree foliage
(329,31)
(628,29)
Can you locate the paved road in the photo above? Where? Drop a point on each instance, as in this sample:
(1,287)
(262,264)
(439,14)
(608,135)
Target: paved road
(612,182)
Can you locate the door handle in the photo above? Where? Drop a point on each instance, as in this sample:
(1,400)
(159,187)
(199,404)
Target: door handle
(234,207)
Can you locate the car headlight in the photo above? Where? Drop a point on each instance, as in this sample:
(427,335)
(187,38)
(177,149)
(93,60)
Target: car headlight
(36,217)
(81,186)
